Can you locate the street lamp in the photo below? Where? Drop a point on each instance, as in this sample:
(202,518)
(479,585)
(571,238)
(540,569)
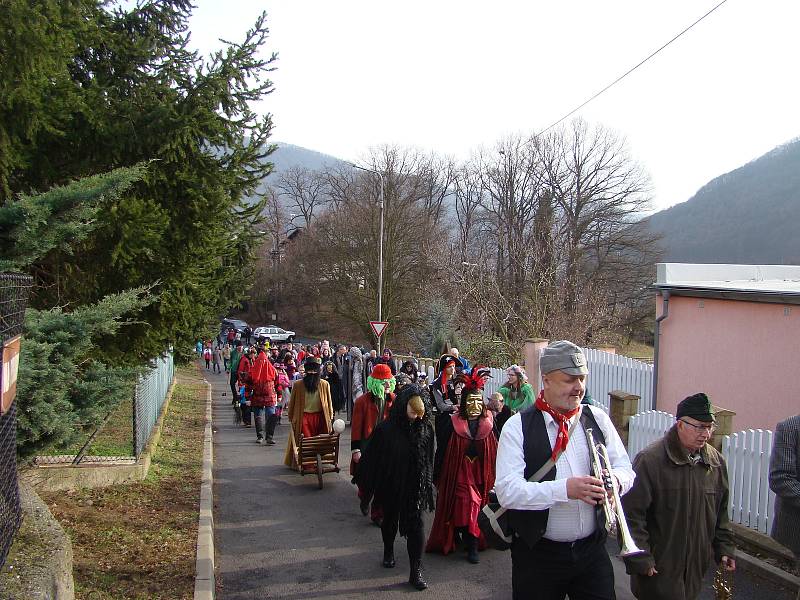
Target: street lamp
(380,244)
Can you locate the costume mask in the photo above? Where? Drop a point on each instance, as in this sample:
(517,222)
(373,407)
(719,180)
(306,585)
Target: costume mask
(417,406)
(474,405)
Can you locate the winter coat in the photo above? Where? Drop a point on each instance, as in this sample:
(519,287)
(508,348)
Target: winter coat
(525,397)
(784,480)
(678,513)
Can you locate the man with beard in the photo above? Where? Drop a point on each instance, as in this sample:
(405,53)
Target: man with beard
(464,470)
(397,469)
(310,409)
(369,409)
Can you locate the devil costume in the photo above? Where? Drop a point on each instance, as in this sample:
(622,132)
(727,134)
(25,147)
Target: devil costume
(464,470)
(396,468)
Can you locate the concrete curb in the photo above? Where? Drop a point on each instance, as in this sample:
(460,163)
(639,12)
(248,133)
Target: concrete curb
(766,570)
(204,566)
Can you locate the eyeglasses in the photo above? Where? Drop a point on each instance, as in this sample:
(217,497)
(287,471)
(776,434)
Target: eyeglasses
(706,428)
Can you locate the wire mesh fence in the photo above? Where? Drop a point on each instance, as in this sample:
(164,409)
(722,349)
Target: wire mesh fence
(151,391)
(124,433)
(14,291)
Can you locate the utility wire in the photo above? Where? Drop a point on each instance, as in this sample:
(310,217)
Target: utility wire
(631,70)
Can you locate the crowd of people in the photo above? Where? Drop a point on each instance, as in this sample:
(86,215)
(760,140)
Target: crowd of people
(444,447)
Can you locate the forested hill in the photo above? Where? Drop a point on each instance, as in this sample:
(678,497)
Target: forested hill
(289,155)
(748,216)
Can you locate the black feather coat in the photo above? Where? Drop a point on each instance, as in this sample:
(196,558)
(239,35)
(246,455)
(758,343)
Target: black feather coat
(396,467)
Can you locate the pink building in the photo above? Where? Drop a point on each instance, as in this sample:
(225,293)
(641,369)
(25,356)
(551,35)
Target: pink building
(733,332)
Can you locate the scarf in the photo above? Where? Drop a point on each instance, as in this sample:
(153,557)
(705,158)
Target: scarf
(561,419)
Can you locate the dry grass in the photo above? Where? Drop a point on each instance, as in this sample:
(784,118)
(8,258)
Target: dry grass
(138,541)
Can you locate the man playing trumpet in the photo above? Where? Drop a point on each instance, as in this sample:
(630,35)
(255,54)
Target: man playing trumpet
(559,522)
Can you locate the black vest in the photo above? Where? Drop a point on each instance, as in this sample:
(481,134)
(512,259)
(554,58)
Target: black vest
(530,525)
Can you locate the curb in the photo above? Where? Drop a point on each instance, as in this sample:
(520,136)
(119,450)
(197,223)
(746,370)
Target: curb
(767,571)
(204,565)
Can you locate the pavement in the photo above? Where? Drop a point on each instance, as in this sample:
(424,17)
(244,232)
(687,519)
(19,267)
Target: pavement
(278,536)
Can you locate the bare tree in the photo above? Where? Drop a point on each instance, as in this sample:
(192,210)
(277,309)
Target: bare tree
(303,191)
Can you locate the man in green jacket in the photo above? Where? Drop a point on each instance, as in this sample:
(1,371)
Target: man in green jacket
(677,509)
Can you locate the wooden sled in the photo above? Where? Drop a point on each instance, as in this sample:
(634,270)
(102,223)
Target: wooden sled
(317,454)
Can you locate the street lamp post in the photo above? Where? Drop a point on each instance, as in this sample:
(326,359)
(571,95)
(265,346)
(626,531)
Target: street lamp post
(380,244)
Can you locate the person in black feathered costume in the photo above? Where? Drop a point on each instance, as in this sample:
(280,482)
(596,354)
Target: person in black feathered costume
(397,468)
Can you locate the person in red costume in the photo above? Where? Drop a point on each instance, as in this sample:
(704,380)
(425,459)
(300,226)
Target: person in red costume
(262,398)
(464,470)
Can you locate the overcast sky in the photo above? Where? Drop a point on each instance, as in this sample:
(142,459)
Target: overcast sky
(451,76)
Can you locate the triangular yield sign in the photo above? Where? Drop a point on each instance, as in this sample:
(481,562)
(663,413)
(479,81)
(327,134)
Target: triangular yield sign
(378,327)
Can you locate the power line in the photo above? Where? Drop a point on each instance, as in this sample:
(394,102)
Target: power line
(629,71)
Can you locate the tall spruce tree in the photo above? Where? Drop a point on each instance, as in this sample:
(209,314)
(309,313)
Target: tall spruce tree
(126,89)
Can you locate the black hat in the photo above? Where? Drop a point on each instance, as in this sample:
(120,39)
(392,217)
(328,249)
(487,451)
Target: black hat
(697,407)
(312,364)
(446,359)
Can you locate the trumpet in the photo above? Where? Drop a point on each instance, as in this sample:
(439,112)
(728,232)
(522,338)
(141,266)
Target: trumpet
(723,584)
(616,524)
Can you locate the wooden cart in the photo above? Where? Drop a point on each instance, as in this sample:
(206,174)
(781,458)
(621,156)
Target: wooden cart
(317,454)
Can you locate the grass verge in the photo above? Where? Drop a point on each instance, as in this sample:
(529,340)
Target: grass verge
(138,541)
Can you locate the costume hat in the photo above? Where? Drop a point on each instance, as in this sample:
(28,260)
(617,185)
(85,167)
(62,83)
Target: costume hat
(381,371)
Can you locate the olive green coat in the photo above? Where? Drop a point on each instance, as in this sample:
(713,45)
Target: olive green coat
(678,513)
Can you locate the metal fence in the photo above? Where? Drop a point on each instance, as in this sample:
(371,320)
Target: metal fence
(14,290)
(151,392)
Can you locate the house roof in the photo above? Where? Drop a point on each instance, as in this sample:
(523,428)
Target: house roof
(757,283)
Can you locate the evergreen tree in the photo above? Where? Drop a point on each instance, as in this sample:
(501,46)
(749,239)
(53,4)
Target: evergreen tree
(129,90)
(66,385)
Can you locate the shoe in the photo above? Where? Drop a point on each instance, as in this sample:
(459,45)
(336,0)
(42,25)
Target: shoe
(377,521)
(270,441)
(260,441)
(416,578)
(388,558)
(364,507)
(472,549)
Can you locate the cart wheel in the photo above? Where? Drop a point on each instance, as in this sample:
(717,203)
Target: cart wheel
(319,470)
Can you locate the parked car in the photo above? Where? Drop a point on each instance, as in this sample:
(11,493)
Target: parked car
(237,324)
(273,334)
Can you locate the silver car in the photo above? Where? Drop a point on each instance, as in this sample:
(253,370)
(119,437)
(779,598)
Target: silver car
(273,334)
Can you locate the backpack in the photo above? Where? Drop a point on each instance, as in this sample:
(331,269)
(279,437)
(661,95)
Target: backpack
(207,354)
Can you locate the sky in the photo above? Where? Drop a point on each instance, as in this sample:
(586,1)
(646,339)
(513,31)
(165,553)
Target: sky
(455,76)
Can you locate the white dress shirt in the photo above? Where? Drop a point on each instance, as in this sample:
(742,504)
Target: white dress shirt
(568,520)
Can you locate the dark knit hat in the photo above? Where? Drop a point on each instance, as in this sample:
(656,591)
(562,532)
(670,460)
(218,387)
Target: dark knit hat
(312,364)
(697,406)
(381,371)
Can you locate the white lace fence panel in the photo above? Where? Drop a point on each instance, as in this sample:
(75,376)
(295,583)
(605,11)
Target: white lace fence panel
(751,501)
(608,372)
(645,428)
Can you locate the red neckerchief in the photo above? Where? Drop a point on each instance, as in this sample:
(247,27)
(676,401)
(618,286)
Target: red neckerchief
(561,419)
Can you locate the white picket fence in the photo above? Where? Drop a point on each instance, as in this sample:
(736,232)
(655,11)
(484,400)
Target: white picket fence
(608,372)
(747,455)
(645,428)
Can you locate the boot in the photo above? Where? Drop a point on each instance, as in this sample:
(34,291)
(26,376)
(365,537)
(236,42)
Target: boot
(388,557)
(416,577)
(271,422)
(472,548)
(260,429)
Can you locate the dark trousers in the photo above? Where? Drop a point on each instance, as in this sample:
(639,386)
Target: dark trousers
(553,570)
(415,538)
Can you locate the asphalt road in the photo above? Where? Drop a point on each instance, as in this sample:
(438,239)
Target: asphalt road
(278,536)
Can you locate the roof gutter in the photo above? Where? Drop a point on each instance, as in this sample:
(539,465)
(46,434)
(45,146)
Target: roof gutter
(664,314)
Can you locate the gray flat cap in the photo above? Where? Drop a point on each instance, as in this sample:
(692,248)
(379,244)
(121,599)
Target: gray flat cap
(563,356)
